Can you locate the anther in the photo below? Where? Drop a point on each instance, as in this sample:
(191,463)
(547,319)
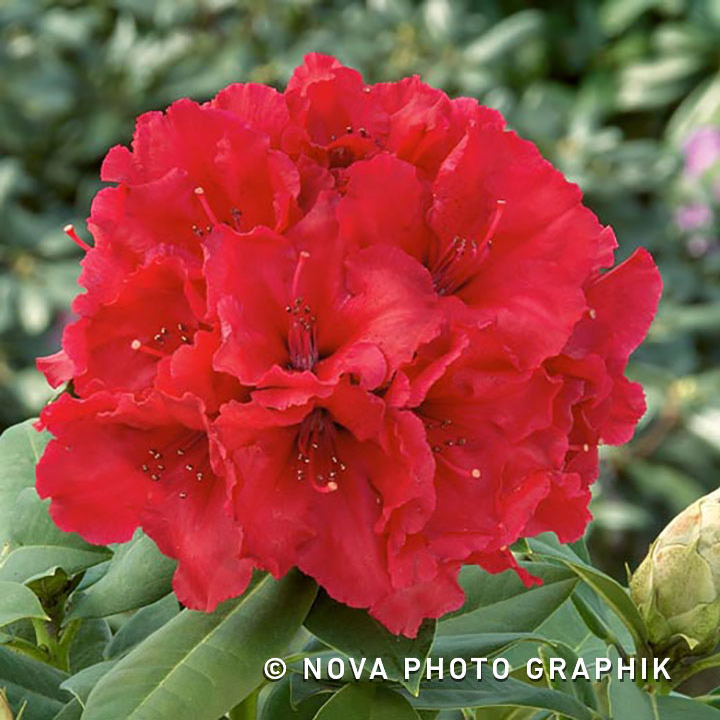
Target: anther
(183,495)
(592,313)
(69,230)
(476,473)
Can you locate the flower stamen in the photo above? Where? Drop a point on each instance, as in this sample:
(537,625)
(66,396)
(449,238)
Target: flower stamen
(460,261)
(170,461)
(141,347)
(317,459)
(200,192)
(69,230)
(302,334)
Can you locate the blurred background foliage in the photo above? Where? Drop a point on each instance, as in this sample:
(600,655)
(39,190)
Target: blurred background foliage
(612,91)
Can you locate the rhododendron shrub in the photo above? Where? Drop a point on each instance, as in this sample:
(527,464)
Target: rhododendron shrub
(362,330)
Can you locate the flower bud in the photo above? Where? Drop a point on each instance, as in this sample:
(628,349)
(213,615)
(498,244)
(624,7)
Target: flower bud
(677,586)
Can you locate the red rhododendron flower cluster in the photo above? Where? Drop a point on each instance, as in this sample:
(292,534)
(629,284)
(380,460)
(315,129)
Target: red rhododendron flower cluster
(362,330)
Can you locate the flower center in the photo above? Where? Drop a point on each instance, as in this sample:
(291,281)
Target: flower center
(164,342)
(443,438)
(302,336)
(457,264)
(317,458)
(184,457)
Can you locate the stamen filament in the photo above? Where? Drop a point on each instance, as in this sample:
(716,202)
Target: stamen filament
(497,213)
(303,257)
(137,345)
(69,230)
(459,261)
(200,192)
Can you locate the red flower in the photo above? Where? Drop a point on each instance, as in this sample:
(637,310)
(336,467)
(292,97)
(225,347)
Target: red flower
(363,330)
(118,464)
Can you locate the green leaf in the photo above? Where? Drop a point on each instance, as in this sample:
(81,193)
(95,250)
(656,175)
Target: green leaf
(504,37)
(580,688)
(142,624)
(676,707)
(81,684)
(200,665)
(34,682)
(599,619)
(469,693)
(20,449)
(366,701)
(699,108)
(547,545)
(357,635)
(88,645)
(138,575)
(31,546)
(27,563)
(72,711)
(503,714)
(564,625)
(501,603)
(18,602)
(617,597)
(477,644)
(617,15)
(626,699)
(278,704)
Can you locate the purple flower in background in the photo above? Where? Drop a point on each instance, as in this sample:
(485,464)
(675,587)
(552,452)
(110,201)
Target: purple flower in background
(702,150)
(698,197)
(692,217)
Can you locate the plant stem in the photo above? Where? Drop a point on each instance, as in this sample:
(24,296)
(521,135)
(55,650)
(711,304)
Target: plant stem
(55,643)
